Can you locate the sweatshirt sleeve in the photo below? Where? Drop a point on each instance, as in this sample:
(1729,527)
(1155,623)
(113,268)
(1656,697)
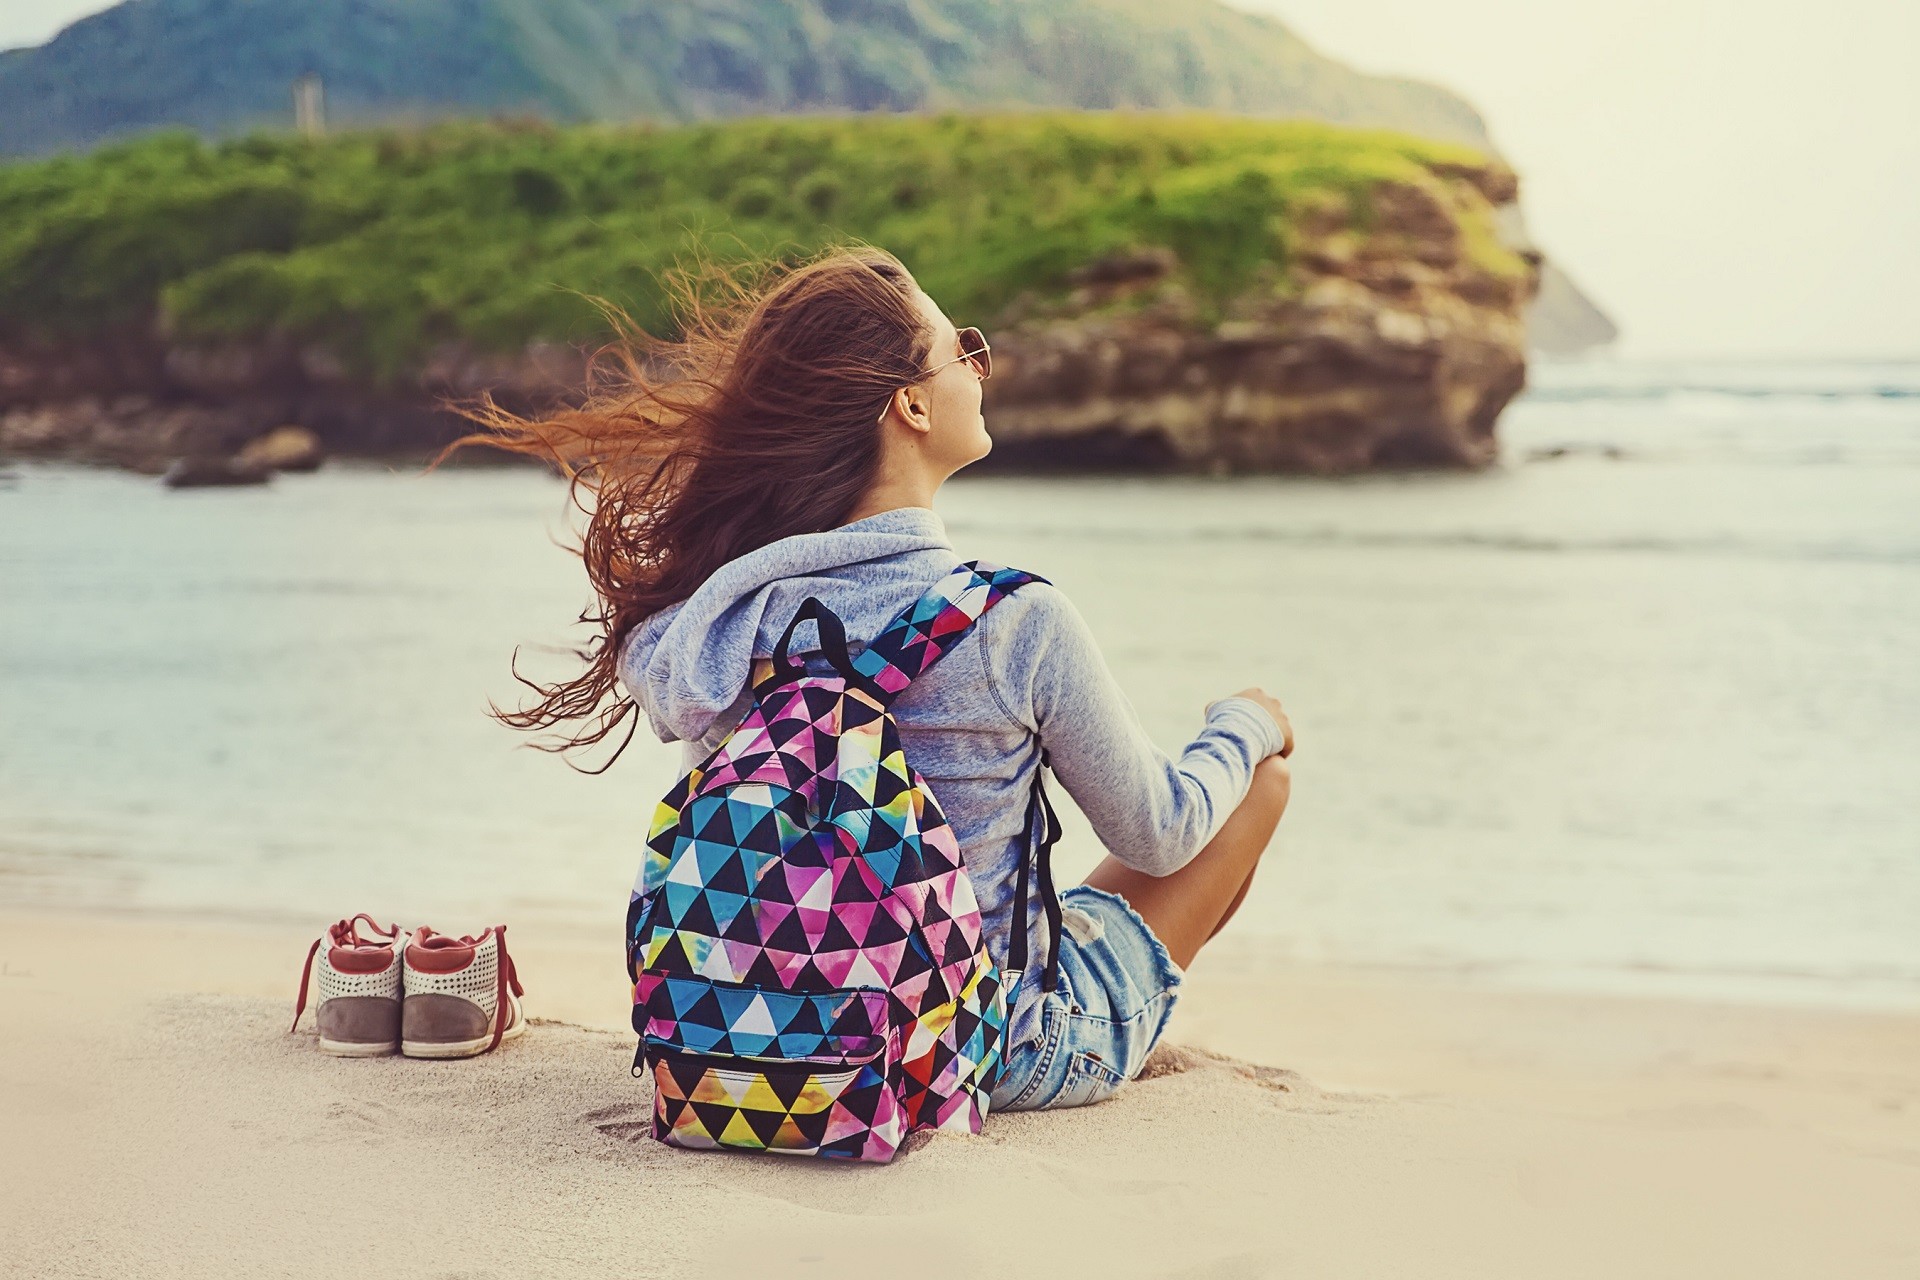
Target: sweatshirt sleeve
(1152,811)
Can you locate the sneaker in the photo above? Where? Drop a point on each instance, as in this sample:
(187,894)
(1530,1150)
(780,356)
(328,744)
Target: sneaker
(360,985)
(462,995)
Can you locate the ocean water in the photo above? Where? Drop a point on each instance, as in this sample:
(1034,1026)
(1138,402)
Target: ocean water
(1636,710)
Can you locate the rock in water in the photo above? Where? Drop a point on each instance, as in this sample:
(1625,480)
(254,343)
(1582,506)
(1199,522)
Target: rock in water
(200,473)
(1392,339)
(283,449)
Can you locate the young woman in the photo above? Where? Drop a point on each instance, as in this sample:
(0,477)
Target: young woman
(791,445)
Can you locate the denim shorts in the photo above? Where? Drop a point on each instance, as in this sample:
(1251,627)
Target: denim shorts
(1116,990)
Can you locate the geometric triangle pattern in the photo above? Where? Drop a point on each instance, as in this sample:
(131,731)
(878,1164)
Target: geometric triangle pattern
(937,622)
(809,975)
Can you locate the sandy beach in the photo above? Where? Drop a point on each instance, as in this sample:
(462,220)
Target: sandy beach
(1465,378)
(161,1122)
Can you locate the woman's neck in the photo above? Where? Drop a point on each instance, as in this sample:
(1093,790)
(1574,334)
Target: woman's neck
(891,495)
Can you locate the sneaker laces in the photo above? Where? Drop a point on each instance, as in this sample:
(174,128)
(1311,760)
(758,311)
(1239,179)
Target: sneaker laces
(508,977)
(343,933)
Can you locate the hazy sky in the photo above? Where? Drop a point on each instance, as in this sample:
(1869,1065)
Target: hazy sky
(1734,176)
(1724,176)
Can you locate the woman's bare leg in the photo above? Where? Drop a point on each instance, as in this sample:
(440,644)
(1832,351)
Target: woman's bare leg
(1234,906)
(1188,907)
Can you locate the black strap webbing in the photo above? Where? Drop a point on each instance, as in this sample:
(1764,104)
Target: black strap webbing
(833,643)
(1043,831)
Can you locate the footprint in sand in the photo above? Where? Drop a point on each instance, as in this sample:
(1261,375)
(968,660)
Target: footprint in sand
(625,1122)
(1176,1059)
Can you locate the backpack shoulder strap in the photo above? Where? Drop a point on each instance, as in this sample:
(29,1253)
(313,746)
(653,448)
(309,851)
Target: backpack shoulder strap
(927,629)
(913,642)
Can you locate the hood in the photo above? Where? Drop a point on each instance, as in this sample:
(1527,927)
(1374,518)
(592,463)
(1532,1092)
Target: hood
(690,663)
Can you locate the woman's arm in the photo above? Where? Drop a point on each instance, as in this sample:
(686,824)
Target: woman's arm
(1153,812)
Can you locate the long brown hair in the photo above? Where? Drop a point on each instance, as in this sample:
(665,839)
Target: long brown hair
(759,421)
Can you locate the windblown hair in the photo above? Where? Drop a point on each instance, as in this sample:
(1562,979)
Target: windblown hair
(760,421)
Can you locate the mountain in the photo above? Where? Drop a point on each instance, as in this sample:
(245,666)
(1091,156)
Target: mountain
(228,66)
(1562,321)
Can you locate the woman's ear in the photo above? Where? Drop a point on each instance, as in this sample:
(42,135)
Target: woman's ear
(913,406)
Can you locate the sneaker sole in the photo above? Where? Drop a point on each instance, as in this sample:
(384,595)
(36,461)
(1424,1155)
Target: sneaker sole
(463,1048)
(352,1049)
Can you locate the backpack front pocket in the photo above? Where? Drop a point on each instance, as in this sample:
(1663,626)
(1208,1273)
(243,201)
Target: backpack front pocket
(796,1108)
(762,1069)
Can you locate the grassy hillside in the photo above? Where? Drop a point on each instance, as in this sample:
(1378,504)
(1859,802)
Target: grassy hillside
(225,66)
(381,245)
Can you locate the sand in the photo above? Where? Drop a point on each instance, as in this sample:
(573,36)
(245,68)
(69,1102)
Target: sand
(159,1121)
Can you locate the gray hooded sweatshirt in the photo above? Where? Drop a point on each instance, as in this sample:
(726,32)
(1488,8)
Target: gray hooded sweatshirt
(1028,676)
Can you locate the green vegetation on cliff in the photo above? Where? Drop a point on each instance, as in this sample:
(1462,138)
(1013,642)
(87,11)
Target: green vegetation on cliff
(380,246)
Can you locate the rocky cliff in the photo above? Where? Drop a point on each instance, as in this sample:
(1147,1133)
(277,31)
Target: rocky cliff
(1316,301)
(143,403)
(1395,348)
(1396,345)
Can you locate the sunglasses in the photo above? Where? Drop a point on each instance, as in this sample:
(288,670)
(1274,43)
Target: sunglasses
(974,350)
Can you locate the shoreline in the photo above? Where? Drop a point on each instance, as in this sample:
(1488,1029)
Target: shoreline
(1236,956)
(1317,1122)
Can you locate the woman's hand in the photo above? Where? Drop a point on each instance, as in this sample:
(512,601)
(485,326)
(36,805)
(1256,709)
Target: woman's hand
(1272,704)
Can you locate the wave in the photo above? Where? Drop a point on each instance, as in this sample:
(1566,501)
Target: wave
(1823,383)
(1676,390)
(1469,539)
(1865,415)
(1276,947)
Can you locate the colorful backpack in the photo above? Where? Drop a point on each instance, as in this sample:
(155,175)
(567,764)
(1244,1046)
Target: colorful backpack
(804,942)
